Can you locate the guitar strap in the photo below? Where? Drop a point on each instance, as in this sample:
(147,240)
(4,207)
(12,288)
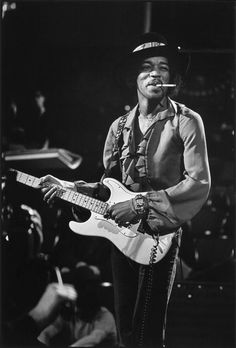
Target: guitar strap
(115,148)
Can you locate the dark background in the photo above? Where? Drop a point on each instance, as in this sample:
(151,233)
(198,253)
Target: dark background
(70,50)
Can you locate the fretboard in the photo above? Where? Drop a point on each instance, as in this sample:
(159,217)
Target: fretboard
(71,196)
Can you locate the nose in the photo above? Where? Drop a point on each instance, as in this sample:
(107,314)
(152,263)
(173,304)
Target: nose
(155,72)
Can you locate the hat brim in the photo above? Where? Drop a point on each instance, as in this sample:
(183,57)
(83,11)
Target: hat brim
(179,60)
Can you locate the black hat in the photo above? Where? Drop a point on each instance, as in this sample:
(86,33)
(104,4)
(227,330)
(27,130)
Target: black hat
(153,44)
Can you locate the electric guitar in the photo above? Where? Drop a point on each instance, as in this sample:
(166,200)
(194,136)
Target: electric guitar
(138,246)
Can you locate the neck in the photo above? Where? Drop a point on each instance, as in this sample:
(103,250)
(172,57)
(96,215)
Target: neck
(149,108)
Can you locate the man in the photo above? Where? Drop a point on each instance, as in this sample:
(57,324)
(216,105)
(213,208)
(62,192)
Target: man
(86,323)
(162,151)
(23,330)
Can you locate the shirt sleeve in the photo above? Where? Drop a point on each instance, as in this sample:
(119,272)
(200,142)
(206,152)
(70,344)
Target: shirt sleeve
(50,331)
(109,143)
(104,329)
(179,203)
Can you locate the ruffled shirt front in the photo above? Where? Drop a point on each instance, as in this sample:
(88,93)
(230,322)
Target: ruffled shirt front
(133,155)
(170,163)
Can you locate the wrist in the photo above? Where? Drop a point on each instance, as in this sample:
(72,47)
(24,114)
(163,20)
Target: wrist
(140,205)
(69,185)
(39,317)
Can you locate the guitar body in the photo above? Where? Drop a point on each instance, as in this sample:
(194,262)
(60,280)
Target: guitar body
(140,247)
(132,243)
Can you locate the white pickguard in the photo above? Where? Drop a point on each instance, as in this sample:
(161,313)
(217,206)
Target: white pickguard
(132,243)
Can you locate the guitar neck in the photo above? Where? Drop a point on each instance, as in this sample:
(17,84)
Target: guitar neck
(70,196)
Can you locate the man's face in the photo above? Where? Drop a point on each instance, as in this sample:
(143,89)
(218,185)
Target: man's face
(153,71)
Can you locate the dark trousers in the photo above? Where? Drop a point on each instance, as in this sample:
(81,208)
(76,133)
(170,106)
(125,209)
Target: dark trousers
(141,294)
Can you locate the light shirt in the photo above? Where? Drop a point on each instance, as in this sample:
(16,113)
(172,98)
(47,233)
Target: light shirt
(83,334)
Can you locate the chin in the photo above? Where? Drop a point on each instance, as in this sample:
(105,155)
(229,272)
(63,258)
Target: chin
(156,96)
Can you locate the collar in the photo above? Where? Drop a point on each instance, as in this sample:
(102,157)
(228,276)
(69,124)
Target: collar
(171,111)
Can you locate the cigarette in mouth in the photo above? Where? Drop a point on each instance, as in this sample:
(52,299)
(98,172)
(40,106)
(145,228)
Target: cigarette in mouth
(166,85)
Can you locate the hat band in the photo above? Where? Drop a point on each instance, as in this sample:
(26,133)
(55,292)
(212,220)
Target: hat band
(148,45)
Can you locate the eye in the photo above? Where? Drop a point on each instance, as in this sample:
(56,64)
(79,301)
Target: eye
(145,68)
(164,68)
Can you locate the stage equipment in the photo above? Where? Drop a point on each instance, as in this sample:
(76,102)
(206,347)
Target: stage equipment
(42,159)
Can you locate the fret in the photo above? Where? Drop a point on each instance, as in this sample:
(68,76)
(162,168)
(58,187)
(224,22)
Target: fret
(83,200)
(104,207)
(78,200)
(86,202)
(101,207)
(26,179)
(90,203)
(69,195)
(65,195)
(93,204)
(97,207)
(22,178)
(73,197)
(18,175)
(35,182)
(30,180)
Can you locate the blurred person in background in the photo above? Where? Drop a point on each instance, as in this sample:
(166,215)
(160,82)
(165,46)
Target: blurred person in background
(27,123)
(86,323)
(30,300)
(13,133)
(36,121)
